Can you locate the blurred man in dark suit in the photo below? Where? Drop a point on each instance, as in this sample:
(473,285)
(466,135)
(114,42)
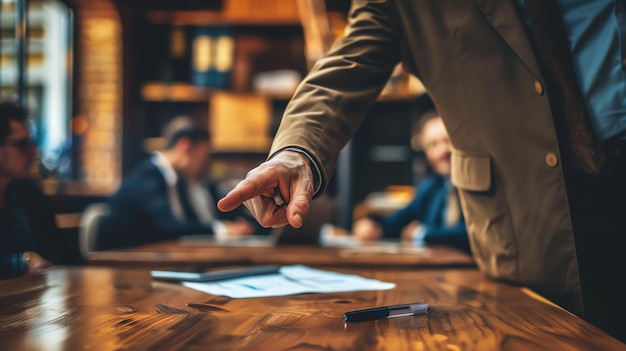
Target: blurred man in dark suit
(166,196)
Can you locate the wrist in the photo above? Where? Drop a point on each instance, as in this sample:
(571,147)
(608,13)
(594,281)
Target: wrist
(315,170)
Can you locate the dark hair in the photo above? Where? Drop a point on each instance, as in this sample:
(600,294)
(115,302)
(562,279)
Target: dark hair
(10,111)
(183,127)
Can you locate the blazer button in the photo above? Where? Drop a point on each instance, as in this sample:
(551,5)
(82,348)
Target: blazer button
(551,159)
(538,87)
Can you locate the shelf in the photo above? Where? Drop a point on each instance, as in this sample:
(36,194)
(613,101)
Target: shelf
(185,92)
(215,18)
(158,143)
(188,93)
(177,91)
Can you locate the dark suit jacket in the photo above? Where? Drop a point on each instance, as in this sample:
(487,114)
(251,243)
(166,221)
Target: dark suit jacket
(477,64)
(140,211)
(428,207)
(27,224)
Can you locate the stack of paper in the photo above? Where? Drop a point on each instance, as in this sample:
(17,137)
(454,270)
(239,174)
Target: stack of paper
(295,279)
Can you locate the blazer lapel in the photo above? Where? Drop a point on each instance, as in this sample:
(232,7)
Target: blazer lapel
(499,13)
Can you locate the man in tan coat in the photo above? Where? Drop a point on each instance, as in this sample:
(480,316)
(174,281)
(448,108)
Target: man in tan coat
(521,190)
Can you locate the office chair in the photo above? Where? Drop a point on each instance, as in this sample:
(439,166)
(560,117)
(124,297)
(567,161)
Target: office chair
(88,230)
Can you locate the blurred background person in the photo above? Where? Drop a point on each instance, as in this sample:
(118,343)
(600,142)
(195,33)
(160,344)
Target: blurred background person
(167,195)
(29,237)
(433,216)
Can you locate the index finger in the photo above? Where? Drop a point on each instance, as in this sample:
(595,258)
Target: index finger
(246,190)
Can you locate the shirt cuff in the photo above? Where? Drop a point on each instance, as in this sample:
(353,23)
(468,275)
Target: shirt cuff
(220,231)
(317,174)
(418,235)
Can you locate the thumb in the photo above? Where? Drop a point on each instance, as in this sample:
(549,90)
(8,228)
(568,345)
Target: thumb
(299,205)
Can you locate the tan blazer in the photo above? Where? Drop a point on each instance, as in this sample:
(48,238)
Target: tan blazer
(478,66)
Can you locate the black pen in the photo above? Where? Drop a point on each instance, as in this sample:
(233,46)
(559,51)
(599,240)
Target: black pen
(412,309)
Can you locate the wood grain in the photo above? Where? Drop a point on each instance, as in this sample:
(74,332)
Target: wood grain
(174,253)
(101,308)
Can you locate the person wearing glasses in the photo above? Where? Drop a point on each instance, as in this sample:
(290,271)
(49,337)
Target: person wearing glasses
(28,231)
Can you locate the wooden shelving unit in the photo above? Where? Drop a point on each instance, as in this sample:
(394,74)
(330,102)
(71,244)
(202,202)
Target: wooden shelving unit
(264,33)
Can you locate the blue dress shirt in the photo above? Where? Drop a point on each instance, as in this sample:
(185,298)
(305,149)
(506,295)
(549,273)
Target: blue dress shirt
(597,35)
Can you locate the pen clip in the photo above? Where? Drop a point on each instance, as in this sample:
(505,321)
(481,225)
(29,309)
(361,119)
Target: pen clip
(408,310)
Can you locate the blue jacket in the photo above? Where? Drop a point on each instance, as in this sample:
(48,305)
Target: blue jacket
(27,224)
(428,207)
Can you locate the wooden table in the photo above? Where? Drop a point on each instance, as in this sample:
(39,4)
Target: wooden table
(174,253)
(104,308)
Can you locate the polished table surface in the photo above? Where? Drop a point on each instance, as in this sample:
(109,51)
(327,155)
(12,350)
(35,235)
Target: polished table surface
(105,308)
(381,254)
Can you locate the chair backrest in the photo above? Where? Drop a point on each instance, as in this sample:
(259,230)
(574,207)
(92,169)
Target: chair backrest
(88,230)
(320,212)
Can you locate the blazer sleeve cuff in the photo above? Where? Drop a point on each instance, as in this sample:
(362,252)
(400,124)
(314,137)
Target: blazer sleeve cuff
(315,169)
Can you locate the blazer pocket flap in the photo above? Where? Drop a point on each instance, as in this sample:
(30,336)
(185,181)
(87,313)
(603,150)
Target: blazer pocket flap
(471,172)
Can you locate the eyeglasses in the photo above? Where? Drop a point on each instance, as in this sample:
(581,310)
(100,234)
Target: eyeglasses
(23,144)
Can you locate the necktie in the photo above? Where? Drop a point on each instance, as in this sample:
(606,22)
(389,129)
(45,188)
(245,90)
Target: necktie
(566,100)
(201,201)
(183,194)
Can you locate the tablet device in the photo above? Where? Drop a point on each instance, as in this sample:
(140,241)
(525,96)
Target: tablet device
(214,275)
(237,241)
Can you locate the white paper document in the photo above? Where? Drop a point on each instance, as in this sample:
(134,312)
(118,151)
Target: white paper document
(294,279)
